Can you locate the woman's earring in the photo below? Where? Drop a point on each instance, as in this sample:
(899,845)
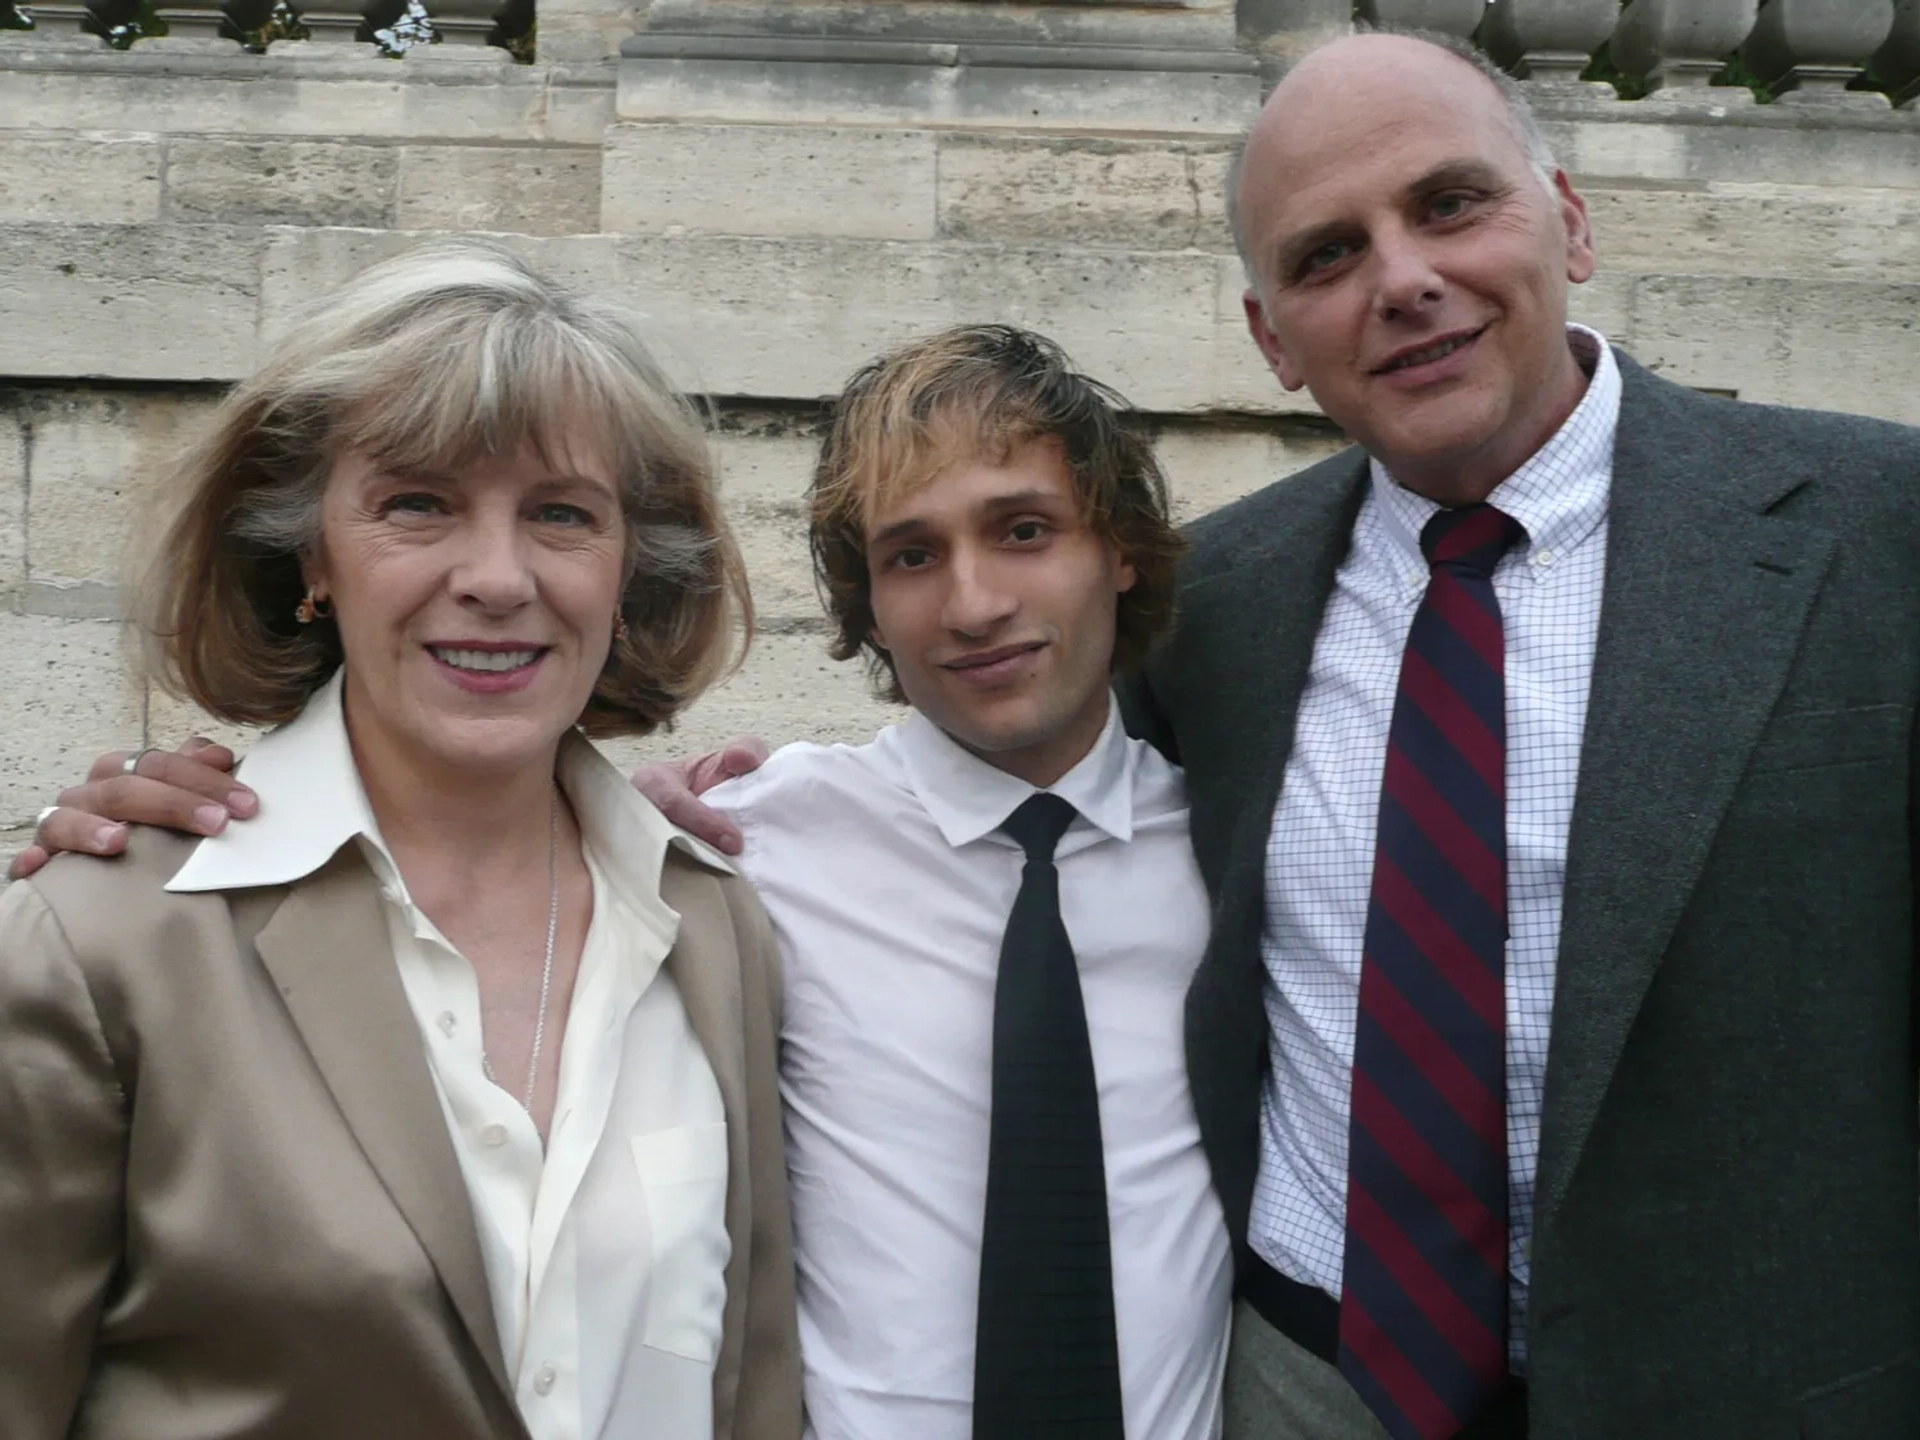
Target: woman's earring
(619,628)
(313,606)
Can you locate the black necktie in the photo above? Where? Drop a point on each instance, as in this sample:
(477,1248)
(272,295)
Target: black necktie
(1046,1362)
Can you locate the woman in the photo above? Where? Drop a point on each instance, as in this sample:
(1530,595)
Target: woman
(439,1101)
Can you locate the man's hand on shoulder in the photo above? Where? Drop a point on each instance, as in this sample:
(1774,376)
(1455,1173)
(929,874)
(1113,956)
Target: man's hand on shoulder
(191,789)
(675,787)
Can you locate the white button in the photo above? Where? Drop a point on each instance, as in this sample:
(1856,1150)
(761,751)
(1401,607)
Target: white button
(448,1024)
(1542,557)
(494,1135)
(543,1382)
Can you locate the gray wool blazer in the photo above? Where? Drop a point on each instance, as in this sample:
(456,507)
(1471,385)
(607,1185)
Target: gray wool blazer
(1728,1241)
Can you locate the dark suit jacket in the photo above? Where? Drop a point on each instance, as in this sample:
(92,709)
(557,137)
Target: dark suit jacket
(1728,1239)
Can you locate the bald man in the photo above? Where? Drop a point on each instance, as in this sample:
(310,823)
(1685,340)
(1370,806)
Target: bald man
(1552,766)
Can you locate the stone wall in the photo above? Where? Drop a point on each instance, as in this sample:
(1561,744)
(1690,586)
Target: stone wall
(783,205)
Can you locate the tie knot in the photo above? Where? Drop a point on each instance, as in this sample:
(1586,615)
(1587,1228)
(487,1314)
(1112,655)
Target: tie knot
(1471,538)
(1039,823)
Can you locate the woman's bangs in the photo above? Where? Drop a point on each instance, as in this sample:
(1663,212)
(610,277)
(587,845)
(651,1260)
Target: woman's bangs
(492,389)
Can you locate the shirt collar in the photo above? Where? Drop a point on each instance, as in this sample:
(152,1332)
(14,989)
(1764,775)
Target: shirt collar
(312,803)
(1559,494)
(970,799)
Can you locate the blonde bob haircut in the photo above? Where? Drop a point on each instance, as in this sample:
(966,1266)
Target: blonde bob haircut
(443,356)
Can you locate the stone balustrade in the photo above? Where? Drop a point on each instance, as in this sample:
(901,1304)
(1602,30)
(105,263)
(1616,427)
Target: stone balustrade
(1814,48)
(1859,52)
(217,26)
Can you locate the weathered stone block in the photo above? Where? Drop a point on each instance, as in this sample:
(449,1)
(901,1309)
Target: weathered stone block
(68,697)
(300,91)
(1713,334)
(588,30)
(579,102)
(1147,322)
(281,182)
(1719,134)
(1155,324)
(1133,193)
(769,180)
(1852,347)
(130,302)
(94,466)
(1209,465)
(550,190)
(1605,303)
(1761,229)
(763,482)
(297,265)
(953,93)
(789,690)
(171,720)
(80,179)
(13,498)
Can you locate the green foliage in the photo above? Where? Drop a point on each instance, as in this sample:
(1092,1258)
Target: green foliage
(281,24)
(123,24)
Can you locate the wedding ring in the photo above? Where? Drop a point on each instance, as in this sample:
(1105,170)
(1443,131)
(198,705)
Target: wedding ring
(42,818)
(131,765)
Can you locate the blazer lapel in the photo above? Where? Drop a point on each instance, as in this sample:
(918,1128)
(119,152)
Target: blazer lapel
(327,947)
(1706,598)
(707,977)
(709,985)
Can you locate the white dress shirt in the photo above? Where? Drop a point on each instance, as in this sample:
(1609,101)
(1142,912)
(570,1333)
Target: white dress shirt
(606,1257)
(890,888)
(1320,852)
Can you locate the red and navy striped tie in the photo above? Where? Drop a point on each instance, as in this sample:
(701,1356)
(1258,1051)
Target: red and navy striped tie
(1423,1307)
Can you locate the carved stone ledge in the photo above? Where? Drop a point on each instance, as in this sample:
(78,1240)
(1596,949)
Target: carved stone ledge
(958,65)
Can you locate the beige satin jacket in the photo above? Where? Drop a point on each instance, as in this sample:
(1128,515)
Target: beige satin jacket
(228,1202)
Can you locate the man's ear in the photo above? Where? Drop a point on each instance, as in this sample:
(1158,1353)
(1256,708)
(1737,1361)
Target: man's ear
(1581,261)
(1278,360)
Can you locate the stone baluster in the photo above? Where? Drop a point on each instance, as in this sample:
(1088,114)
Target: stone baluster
(1897,66)
(1450,17)
(462,22)
(197,23)
(1816,46)
(1550,40)
(208,26)
(1680,43)
(333,22)
(64,20)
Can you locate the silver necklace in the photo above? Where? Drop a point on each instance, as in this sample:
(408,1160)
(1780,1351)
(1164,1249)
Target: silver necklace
(546,967)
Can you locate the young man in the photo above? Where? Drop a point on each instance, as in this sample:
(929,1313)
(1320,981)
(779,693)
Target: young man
(989,918)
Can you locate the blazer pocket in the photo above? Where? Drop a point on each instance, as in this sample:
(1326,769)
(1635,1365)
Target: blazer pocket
(683,1174)
(1882,1403)
(1812,739)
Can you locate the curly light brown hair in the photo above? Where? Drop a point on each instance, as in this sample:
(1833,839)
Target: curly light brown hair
(980,392)
(447,354)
